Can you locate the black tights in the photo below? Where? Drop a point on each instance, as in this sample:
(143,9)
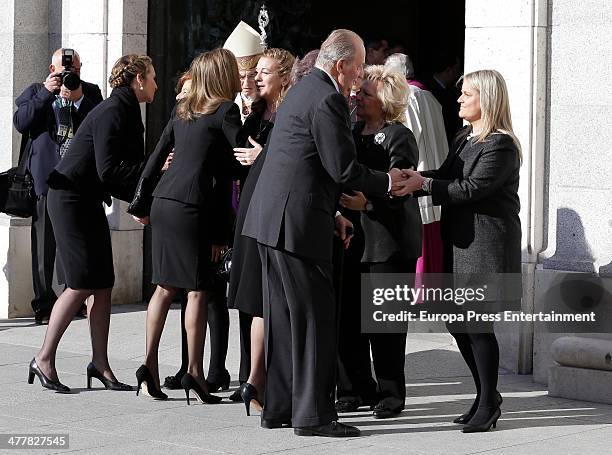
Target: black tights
(479,348)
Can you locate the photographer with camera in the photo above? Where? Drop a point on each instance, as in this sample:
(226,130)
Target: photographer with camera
(50,113)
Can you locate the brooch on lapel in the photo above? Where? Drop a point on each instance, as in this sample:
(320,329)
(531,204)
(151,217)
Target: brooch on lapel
(379,138)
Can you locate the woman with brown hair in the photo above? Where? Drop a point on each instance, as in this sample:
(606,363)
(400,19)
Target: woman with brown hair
(104,159)
(184,220)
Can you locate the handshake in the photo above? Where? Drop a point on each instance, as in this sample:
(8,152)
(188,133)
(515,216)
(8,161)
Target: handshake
(405,181)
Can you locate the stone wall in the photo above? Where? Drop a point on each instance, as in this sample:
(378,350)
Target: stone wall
(101,31)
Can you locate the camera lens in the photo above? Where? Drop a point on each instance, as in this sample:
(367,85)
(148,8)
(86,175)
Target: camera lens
(71,80)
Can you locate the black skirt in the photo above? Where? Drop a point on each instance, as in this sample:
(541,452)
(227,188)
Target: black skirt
(82,236)
(245,288)
(181,246)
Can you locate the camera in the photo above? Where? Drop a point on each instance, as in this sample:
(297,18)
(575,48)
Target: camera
(70,78)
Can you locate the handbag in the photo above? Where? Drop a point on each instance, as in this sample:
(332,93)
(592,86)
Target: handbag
(17,196)
(225,265)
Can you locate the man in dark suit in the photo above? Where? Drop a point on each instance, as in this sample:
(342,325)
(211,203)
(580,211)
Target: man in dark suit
(50,114)
(291,215)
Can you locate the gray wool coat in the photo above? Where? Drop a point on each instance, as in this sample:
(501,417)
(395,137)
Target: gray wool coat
(477,187)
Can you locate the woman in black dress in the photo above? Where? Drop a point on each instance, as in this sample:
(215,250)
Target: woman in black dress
(184,215)
(104,159)
(477,187)
(391,230)
(245,291)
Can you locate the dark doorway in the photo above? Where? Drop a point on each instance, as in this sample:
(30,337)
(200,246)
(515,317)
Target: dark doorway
(178,30)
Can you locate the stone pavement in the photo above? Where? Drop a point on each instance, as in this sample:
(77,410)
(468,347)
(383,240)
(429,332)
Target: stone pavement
(438,389)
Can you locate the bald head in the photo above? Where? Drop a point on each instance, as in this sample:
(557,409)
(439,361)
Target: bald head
(56,62)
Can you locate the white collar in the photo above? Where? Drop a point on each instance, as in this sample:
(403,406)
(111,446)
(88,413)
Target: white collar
(335,82)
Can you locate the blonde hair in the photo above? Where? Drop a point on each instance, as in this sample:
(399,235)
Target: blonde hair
(285,61)
(494,104)
(214,79)
(127,68)
(393,91)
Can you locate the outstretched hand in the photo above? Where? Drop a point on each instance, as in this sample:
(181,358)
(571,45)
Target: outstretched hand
(411,182)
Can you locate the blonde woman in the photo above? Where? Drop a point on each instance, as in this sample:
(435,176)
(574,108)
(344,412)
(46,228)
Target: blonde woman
(245,292)
(477,187)
(184,220)
(104,159)
(387,240)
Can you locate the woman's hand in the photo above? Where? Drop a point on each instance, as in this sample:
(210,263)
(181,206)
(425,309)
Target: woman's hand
(247,156)
(144,221)
(356,202)
(217,252)
(413,183)
(168,161)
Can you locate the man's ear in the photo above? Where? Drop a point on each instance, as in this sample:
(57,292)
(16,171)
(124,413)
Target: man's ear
(51,68)
(340,65)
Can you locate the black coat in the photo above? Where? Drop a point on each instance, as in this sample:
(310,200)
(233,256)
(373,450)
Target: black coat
(106,155)
(35,116)
(202,165)
(393,226)
(477,187)
(310,155)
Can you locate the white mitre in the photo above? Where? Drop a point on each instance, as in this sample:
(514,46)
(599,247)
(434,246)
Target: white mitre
(244,41)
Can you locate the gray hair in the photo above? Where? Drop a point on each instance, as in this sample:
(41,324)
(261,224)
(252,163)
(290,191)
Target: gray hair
(402,63)
(341,44)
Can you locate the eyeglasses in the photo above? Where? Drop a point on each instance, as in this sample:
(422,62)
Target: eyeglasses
(250,76)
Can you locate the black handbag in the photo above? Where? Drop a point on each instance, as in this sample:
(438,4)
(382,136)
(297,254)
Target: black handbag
(17,196)
(225,265)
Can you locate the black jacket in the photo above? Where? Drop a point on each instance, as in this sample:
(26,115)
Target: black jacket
(35,116)
(106,155)
(310,155)
(477,187)
(201,168)
(393,227)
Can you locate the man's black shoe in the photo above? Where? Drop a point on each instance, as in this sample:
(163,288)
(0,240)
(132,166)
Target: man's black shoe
(332,430)
(344,405)
(382,411)
(42,317)
(235,396)
(271,424)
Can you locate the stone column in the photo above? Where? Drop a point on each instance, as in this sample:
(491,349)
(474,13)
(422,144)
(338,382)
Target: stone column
(24,33)
(579,236)
(511,37)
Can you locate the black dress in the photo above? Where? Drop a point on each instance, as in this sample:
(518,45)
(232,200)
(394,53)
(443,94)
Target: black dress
(104,159)
(187,216)
(245,288)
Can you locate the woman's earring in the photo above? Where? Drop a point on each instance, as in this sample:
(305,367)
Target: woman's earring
(141,87)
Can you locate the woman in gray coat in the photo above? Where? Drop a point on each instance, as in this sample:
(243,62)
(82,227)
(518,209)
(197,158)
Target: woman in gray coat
(477,187)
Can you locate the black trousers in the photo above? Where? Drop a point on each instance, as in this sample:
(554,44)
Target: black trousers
(300,338)
(43,257)
(388,349)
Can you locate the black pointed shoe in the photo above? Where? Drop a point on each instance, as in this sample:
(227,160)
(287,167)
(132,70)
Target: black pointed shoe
(44,380)
(465,418)
(484,426)
(93,372)
(331,430)
(144,375)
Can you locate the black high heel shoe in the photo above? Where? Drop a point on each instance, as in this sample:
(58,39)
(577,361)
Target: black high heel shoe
(44,380)
(144,375)
(189,383)
(485,426)
(248,392)
(93,372)
(465,418)
(223,384)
